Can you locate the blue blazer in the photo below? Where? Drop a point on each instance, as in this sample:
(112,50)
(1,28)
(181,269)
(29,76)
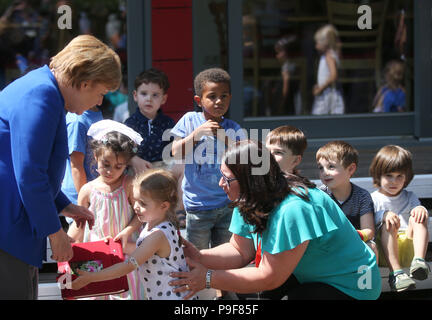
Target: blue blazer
(33,153)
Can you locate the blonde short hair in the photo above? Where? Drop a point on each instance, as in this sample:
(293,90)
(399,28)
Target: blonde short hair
(328,36)
(86,58)
(391,158)
(339,151)
(394,73)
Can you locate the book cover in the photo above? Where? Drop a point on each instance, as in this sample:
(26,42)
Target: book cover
(92,257)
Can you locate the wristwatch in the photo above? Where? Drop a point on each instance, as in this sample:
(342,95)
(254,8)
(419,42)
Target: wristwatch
(208,278)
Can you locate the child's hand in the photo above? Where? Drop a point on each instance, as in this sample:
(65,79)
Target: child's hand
(82,280)
(391,219)
(419,214)
(374,248)
(209,128)
(107,239)
(316,90)
(123,237)
(140,165)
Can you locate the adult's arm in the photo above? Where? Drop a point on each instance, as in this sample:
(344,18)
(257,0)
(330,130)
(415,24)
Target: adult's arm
(236,253)
(272,272)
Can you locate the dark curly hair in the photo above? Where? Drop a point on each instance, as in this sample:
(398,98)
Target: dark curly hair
(214,75)
(119,143)
(261,193)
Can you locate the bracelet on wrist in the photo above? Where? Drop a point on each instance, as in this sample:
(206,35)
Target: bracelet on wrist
(208,278)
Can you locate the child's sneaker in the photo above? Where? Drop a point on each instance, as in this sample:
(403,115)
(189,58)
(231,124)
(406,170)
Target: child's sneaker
(419,269)
(401,282)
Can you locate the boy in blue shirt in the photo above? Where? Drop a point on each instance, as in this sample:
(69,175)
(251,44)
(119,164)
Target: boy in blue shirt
(201,139)
(80,166)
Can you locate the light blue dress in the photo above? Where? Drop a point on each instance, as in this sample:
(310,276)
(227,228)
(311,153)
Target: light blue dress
(77,127)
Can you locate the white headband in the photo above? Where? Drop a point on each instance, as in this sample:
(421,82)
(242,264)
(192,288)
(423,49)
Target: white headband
(99,129)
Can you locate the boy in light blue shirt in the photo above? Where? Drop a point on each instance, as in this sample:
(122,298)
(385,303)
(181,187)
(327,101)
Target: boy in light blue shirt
(80,166)
(201,139)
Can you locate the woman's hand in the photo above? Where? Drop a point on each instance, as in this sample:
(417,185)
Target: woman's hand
(193,281)
(80,214)
(190,250)
(61,246)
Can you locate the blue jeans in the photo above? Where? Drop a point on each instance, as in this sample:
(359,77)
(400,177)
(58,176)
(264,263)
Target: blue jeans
(208,228)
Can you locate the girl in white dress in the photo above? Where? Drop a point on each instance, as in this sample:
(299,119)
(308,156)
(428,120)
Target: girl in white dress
(328,98)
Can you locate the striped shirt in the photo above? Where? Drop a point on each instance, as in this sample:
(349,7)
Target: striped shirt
(358,203)
(113,212)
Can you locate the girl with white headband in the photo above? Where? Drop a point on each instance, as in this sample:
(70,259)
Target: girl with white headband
(110,196)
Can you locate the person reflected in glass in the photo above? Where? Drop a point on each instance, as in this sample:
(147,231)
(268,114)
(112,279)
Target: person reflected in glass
(285,105)
(328,98)
(391,97)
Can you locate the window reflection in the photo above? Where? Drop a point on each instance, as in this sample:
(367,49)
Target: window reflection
(211,34)
(286,71)
(29,32)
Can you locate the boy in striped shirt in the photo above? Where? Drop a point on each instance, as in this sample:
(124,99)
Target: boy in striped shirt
(337,162)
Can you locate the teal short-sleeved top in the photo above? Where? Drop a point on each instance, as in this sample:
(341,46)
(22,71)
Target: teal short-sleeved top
(335,255)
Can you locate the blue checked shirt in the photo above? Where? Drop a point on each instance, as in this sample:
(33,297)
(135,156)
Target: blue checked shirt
(151,131)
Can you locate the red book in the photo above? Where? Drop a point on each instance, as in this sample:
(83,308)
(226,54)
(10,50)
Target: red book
(92,256)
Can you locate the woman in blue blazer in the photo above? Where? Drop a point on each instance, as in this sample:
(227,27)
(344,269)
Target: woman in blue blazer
(33,153)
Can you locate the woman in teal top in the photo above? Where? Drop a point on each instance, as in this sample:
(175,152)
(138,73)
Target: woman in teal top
(302,243)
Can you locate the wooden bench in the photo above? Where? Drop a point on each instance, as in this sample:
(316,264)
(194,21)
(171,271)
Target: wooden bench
(421,185)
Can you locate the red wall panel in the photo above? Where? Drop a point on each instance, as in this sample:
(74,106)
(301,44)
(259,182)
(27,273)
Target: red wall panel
(172,34)
(180,93)
(171,3)
(172,52)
